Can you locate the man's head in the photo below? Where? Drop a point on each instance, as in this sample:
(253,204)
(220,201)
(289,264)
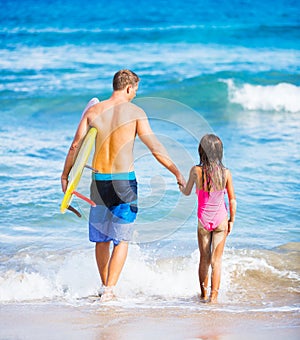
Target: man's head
(123,78)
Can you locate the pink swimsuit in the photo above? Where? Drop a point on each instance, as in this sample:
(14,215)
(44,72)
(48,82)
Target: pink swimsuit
(212,208)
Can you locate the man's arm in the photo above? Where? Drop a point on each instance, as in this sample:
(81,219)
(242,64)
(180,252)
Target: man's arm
(82,130)
(148,137)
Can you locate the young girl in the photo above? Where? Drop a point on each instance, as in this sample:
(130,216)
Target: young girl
(212,180)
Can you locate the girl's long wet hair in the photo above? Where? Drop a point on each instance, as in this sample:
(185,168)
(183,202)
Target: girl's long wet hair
(211,156)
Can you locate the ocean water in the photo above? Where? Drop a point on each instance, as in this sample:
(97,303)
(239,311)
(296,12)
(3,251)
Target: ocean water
(228,67)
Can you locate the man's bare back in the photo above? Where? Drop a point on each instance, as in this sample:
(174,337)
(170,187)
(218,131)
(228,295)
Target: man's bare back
(117,127)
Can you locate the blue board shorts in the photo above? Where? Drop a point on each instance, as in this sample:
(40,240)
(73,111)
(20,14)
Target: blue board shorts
(115,196)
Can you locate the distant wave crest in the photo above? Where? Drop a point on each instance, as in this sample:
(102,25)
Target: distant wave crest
(280,97)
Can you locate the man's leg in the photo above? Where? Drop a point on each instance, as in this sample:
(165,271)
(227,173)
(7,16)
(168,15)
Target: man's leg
(115,266)
(116,263)
(102,257)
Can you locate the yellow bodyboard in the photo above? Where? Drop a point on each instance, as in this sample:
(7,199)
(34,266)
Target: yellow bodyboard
(77,168)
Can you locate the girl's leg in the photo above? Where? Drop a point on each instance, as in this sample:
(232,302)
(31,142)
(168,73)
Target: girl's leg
(218,243)
(204,243)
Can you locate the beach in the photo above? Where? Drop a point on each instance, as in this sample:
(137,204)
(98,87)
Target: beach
(36,321)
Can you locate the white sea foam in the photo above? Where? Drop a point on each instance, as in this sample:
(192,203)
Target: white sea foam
(48,276)
(15,286)
(280,97)
(71,276)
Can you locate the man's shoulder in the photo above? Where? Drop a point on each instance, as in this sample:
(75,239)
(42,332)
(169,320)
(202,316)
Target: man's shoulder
(134,110)
(98,108)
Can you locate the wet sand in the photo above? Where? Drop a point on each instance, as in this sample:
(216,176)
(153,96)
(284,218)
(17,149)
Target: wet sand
(55,321)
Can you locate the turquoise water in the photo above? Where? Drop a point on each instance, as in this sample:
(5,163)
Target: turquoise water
(228,67)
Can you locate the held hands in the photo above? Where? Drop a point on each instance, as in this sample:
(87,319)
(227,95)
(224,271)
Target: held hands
(181,187)
(181,181)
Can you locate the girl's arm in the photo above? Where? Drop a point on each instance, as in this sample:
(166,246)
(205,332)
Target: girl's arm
(187,189)
(231,199)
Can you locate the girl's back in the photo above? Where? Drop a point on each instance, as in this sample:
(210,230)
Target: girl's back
(210,190)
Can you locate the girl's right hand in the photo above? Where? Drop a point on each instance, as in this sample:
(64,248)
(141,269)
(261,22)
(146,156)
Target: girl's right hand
(181,187)
(230,226)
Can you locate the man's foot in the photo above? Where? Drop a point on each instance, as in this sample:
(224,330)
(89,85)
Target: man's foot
(101,290)
(108,294)
(214,296)
(203,296)
(203,299)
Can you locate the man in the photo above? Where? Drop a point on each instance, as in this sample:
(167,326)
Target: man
(114,187)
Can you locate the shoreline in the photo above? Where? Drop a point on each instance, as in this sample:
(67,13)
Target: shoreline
(106,321)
